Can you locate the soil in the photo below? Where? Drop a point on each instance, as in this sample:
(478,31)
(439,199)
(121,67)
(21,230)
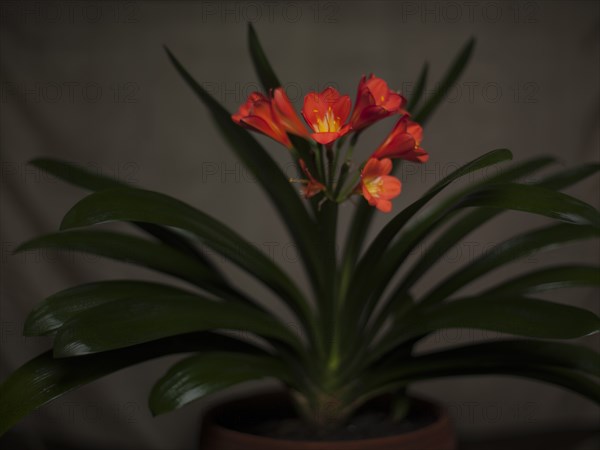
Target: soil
(365,425)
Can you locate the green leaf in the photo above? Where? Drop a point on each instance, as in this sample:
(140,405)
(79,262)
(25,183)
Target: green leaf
(86,179)
(55,310)
(548,278)
(305,152)
(151,207)
(451,77)
(134,250)
(137,320)
(420,370)
(567,177)
(327,300)
(289,206)
(364,213)
(76,175)
(387,234)
(359,225)
(509,196)
(509,250)
(262,66)
(534,199)
(368,268)
(511,352)
(461,228)
(476,218)
(520,316)
(44,378)
(200,375)
(419,89)
(559,354)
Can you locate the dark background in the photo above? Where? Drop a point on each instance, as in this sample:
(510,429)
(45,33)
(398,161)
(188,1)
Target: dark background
(89,82)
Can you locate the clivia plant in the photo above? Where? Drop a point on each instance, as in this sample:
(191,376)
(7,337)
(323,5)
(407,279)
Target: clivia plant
(359,322)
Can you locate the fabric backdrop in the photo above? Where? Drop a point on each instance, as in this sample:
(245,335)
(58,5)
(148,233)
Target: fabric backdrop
(90,83)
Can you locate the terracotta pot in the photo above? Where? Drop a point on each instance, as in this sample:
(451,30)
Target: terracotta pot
(219,433)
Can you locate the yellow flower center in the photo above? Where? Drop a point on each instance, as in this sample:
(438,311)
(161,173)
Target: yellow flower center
(374,185)
(328,123)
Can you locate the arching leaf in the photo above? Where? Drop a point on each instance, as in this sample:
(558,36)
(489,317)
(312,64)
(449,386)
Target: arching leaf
(45,378)
(133,320)
(151,207)
(450,78)
(87,179)
(131,249)
(263,68)
(54,311)
(520,316)
(200,375)
(509,250)
(271,177)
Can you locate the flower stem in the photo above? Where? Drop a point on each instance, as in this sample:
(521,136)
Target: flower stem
(319,162)
(330,166)
(349,187)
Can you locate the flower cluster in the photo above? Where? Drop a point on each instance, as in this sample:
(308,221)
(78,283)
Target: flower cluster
(330,118)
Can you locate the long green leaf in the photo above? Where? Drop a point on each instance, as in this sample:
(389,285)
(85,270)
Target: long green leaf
(520,286)
(86,179)
(548,278)
(130,204)
(534,199)
(520,316)
(509,250)
(373,274)
(364,213)
(567,177)
(464,226)
(137,320)
(328,296)
(573,380)
(387,234)
(509,352)
(474,219)
(263,68)
(359,225)
(271,177)
(451,77)
(76,175)
(419,89)
(44,378)
(54,311)
(207,373)
(442,210)
(496,197)
(134,250)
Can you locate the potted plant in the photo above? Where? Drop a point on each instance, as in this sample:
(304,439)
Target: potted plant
(345,377)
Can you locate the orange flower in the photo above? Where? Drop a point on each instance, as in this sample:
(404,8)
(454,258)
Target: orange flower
(374,101)
(378,187)
(403,142)
(326,114)
(313,186)
(257,114)
(286,114)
